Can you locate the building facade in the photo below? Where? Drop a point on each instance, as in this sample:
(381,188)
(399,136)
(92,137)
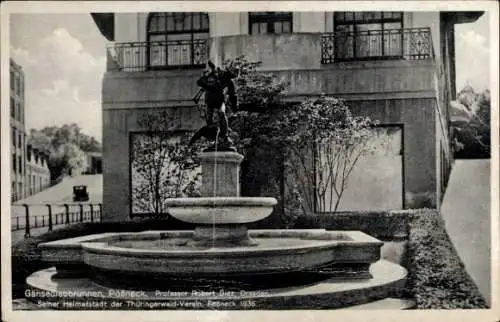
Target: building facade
(29,171)
(37,171)
(395,67)
(18,131)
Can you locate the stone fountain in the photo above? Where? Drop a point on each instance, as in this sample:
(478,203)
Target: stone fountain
(220,264)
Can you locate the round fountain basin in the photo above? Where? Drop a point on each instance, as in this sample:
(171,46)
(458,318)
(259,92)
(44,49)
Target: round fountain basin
(170,253)
(221,210)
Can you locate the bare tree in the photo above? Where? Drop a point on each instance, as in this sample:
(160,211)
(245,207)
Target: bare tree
(162,164)
(324,143)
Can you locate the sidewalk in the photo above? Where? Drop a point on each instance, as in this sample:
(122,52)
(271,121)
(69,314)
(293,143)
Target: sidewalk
(63,191)
(467,216)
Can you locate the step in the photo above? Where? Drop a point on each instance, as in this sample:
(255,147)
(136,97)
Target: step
(328,294)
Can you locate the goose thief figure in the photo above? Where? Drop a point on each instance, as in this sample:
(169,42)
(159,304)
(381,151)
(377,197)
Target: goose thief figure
(216,84)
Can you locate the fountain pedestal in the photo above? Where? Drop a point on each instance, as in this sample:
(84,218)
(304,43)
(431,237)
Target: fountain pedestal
(220,174)
(222,236)
(220,214)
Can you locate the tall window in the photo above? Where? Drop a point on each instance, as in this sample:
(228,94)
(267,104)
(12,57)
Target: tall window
(14,162)
(14,137)
(368,35)
(272,22)
(12,108)
(18,86)
(19,140)
(177,39)
(18,109)
(20,162)
(12,80)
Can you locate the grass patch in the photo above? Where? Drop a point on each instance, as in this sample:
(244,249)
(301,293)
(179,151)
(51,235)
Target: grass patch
(437,277)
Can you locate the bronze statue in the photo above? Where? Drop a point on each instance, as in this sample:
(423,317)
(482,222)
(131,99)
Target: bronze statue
(216,84)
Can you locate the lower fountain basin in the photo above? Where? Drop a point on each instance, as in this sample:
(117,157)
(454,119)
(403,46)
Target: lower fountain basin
(220,210)
(169,253)
(323,294)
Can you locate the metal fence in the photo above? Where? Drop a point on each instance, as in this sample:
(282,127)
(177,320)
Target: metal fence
(28,217)
(141,56)
(409,43)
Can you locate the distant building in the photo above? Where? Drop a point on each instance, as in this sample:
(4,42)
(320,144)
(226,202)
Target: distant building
(29,170)
(93,163)
(37,171)
(18,131)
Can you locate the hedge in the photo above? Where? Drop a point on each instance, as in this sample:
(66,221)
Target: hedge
(437,277)
(379,224)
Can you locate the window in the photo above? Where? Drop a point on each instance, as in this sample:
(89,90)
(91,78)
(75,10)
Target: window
(13,191)
(12,80)
(177,39)
(368,35)
(20,162)
(19,140)
(271,22)
(12,108)
(21,117)
(18,86)
(18,108)
(14,137)
(14,162)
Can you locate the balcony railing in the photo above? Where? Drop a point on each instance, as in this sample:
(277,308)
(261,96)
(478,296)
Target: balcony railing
(140,56)
(410,44)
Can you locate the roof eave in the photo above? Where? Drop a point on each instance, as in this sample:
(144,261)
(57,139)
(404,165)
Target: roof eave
(106,23)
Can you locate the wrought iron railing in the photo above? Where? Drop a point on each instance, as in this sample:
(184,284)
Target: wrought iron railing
(140,56)
(28,217)
(410,44)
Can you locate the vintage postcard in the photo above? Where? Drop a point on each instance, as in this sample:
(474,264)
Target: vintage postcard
(220,161)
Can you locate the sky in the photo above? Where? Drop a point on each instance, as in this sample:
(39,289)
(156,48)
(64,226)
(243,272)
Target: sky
(472,54)
(63,57)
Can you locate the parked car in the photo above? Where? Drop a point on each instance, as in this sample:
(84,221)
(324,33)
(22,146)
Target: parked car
(80,193)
